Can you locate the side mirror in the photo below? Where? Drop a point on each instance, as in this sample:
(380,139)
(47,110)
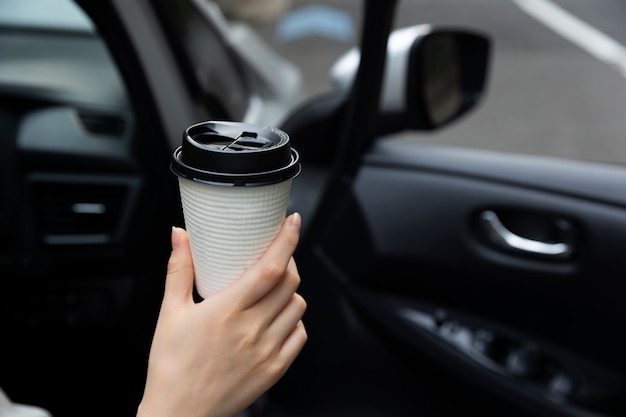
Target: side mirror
(433,76)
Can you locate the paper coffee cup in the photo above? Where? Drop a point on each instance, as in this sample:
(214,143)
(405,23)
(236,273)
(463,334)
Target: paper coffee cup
(235,180)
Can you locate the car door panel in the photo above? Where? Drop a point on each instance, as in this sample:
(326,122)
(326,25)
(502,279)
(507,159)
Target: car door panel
(424,217)
(419,272)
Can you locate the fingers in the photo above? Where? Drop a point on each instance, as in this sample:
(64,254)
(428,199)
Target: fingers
(293,344)
(288,317)
(268,271)
(277,298)
(180,274)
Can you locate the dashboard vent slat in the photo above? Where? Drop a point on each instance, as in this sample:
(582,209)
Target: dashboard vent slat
(78,213)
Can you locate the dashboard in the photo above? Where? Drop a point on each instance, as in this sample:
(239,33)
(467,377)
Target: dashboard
(79,197)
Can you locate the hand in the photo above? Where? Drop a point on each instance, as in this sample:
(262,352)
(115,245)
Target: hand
(214,358)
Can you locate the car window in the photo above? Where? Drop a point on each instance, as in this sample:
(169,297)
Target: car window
(555,86)
(547,93)
(49,51)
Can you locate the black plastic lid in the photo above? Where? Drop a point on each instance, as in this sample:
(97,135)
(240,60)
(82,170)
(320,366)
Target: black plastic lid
(232,153)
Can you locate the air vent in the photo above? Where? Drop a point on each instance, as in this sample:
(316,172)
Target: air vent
(83,213)
(102,123)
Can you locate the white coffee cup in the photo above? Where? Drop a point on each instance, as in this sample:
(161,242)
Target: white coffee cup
(235,180)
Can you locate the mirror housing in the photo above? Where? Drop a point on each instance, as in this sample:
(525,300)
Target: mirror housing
(433,76)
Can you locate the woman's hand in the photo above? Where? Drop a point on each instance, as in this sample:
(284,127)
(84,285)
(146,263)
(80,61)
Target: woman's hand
(214,358)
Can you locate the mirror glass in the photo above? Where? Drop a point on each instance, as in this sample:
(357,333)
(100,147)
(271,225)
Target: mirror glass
(441,79)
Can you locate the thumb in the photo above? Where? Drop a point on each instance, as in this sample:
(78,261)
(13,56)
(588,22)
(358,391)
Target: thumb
(180,274)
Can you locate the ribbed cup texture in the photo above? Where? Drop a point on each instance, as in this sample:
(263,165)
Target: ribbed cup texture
(230,228)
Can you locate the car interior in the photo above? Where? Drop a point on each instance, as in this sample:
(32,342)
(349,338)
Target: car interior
(440,280)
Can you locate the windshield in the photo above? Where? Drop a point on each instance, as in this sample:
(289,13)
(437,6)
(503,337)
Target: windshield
(311,35)
(50,15)
(210,68)
(50,50)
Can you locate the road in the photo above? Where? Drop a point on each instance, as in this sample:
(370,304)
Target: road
(550,90)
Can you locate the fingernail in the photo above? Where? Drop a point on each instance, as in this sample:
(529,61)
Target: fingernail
(295,221)
(175,237)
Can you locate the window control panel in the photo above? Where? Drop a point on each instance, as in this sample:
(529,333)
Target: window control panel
(535,370)
(529,364)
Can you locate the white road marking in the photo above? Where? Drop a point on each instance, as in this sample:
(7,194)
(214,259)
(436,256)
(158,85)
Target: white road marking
(577,31)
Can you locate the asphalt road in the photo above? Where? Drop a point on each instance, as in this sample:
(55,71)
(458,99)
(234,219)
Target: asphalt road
(552,88)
